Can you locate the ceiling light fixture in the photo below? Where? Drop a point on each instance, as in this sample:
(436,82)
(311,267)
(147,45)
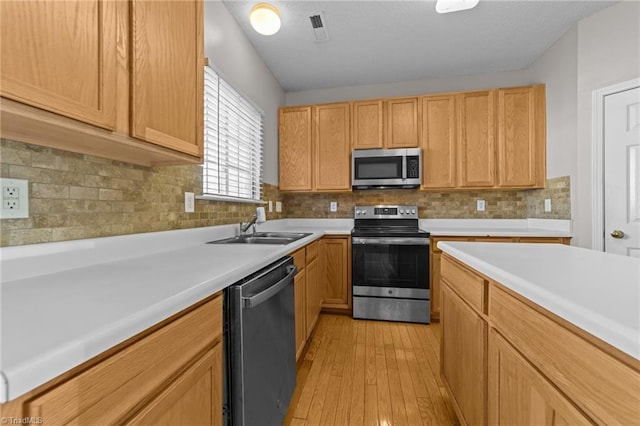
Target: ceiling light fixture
(446,6)
(265,19)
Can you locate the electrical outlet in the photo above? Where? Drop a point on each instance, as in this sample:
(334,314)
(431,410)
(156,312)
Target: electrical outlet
(278,207)
(189,202)
(10,204)
(15,198)
(333,206)
(270,206)
(10,192)
(480,205)
(547,204)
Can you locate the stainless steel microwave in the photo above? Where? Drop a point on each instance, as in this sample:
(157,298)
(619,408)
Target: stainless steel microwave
(386,168)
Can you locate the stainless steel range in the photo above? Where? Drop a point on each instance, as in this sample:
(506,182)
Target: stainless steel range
(390,264)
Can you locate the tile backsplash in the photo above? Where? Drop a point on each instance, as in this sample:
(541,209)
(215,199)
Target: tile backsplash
(440,205)
(558,191)
(435,205)
(74,196)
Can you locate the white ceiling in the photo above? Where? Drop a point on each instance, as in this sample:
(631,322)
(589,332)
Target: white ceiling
(385,41)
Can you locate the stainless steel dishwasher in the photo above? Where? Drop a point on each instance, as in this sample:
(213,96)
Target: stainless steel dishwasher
(259,339)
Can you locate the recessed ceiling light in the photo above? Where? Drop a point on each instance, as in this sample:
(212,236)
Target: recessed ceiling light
(265,19)
(446,6)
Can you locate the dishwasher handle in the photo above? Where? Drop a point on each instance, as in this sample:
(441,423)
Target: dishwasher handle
(253,301)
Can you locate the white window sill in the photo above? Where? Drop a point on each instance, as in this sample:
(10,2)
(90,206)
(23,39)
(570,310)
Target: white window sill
(229,199)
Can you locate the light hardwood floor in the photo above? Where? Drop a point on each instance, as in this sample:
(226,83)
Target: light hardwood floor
(358,372)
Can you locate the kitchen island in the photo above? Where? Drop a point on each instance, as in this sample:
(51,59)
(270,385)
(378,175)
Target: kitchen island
(540,333)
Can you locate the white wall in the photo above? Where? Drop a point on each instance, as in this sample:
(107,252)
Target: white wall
(557,68)
(408,88)
(608,53)
(229,50)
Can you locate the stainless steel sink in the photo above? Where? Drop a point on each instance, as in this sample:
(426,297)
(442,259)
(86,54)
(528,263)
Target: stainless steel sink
(281,238)
(294,235)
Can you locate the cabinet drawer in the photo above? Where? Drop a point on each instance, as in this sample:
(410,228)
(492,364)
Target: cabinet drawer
(602,386)
(312,251)
(543,240)
(299,258)
(112,389)
(496,239)
(469,286)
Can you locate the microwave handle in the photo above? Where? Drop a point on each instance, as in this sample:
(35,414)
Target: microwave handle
(404,167)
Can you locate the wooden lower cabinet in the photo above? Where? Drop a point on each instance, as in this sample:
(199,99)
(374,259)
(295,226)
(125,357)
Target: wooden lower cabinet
(193,398)
(313,297)
(307,293)
(519,395)
(435,255)
(463,356)
(170,374)
(335,272)
(299,290)
(507,361)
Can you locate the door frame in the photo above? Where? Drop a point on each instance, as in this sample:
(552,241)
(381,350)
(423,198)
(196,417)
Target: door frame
(597,156)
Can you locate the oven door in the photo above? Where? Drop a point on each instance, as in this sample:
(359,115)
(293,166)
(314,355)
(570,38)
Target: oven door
(390,267)
(378,170)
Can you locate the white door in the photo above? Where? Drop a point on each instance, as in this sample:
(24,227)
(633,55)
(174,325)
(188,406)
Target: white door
(622,173)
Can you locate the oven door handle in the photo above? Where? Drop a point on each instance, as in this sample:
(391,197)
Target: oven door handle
(391,241)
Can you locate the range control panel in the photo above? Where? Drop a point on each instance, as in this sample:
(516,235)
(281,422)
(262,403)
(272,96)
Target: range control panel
(385,212)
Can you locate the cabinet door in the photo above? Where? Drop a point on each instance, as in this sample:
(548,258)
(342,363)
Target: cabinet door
(300,291)
(332,147)
(313,297)
(402,123)
(436,286)
(438,142)
(334,254)
(520,395)
(195,397)
(521,137)
(463,356)
(476,150)
(167,80)
(294,150)
(60,56)
(367,125)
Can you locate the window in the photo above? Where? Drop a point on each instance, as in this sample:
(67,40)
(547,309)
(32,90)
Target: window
(233,133)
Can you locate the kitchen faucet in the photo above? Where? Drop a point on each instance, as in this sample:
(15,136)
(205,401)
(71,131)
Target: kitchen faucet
(252,222)
(257,218)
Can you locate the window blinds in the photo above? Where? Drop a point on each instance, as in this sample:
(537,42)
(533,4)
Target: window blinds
(233,133)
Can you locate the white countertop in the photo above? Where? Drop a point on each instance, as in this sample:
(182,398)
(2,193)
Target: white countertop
(53,320)
(63,303)
(596,291)
(497,227)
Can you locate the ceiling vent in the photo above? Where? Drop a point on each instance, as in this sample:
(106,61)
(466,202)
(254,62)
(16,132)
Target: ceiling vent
(318,23)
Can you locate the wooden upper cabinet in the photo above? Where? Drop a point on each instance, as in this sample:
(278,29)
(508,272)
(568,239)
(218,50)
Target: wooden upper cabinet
(438,141)
(402,123)
(294,152)
(60,56)
(332,147)
(167,73)
(476,133)
(521,136)
(367,126)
